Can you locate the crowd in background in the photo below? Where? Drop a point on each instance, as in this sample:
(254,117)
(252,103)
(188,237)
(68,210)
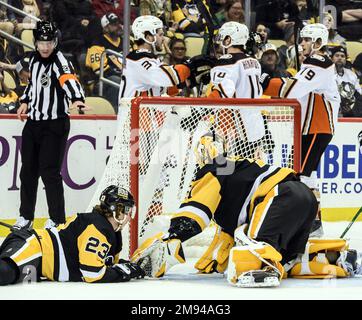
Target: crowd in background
(88,27)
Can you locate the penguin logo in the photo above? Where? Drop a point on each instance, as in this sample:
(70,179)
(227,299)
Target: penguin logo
(45,80)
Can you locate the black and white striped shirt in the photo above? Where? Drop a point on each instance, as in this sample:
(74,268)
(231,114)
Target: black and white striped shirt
(52,87)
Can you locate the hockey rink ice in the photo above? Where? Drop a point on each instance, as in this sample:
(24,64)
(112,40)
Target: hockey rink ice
(182,283)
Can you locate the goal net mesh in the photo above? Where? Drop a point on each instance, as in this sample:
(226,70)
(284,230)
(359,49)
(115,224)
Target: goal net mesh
(157,138)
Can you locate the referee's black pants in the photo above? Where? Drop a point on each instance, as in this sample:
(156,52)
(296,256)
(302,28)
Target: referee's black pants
(42,152)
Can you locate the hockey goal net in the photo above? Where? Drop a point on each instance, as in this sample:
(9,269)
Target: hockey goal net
(153,154)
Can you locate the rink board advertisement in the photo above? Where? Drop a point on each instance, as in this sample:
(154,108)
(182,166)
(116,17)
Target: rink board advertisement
(90,143)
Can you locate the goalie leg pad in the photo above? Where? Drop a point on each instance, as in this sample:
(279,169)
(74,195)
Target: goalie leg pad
(255,265)
(158,254)
(326,258)
(215,258)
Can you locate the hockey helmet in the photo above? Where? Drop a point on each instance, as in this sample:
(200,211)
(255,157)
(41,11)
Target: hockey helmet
(209,147)
(238,33)
(144,24)
(117,201)
(315,31)
(45,31)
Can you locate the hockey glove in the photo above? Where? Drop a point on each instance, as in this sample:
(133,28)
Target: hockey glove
(158,254)
(264,80)
(135,269)
(200,67)
(124,273)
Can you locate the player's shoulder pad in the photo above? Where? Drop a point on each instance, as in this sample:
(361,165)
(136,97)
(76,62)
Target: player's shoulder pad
(140,54)
(318,60)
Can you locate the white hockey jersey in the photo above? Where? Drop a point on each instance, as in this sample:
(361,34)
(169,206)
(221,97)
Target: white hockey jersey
(314,86)
(145,75)
(237,76)
(348,83)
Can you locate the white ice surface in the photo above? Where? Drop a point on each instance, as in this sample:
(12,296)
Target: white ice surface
(182,283)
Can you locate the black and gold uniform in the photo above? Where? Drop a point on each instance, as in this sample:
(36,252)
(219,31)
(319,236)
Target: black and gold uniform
(83,249)
(112,64)
(278,208)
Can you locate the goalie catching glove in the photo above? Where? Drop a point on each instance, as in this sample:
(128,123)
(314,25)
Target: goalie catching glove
(158,254)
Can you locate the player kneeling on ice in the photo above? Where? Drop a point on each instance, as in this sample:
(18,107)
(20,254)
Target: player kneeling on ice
(265,215)
(85,248)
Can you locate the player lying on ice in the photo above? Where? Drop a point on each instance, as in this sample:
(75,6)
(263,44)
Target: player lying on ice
(265,216)
(86,248)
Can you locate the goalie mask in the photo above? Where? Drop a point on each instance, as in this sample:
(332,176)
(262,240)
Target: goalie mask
(119,203)
(314,32)
(144,24)
(237,32)
(209,147)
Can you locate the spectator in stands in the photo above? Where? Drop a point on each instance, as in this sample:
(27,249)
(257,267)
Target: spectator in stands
(275,15)
(291,62)
(22,70)
(347,81)
(74,18)
(305,11)
(102,7)
(334,38)
(269,62)
(159,8)
(263,32)
(190,20)
(8,98)
(20,22)
(111,39)
(5,23)
(232,11)
(349,15)
(177,55)
(178,52)
(282,50)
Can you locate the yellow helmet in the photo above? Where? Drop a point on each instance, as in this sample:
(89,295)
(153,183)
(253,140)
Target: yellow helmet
(209,147)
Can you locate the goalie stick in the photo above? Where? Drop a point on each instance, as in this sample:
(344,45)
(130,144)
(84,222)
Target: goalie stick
(351,223)
(4,224)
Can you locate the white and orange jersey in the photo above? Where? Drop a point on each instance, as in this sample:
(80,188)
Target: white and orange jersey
(146,75)
(314,86)
(237,76)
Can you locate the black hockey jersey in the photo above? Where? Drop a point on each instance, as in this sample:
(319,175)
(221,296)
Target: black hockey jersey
(229,190)
(83,249)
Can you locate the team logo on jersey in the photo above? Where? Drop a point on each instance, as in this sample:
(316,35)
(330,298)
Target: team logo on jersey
(45,80)
(65,69)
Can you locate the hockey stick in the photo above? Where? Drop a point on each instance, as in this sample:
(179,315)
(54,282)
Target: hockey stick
(351,223)
(4,224)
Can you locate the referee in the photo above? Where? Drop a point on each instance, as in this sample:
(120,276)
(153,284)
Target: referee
(52,88)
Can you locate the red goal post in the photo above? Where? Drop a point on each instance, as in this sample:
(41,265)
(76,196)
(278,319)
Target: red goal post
(153,154)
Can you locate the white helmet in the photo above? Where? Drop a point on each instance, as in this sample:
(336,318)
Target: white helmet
(239,33)
(315,31)
(146,23)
